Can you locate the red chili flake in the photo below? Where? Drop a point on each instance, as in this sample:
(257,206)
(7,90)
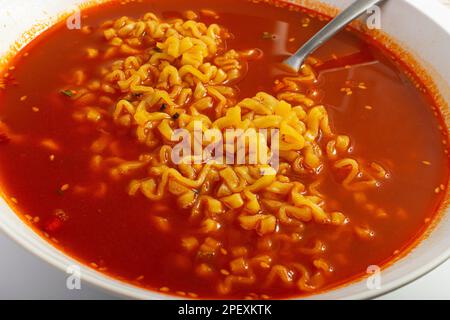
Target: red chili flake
(61,214)
(4,138)
(53,225)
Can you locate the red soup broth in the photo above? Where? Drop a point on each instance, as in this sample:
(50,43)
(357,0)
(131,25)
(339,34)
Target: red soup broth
(389,118)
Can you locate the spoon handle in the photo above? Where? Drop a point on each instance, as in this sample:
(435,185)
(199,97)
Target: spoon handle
(358,8)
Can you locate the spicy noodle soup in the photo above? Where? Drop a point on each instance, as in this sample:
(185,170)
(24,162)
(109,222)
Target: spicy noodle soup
(88,118)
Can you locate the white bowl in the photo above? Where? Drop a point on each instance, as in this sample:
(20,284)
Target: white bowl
(420,27)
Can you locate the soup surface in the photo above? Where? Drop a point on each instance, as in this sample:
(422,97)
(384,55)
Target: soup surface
(87,150)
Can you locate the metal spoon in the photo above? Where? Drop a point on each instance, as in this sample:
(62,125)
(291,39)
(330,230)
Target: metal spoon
(358,8)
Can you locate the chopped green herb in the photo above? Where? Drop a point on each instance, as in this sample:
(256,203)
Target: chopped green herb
(163,107)
(176,116)
(68,93)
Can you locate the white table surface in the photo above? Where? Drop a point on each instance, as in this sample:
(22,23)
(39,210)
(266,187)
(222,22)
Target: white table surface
(24,276)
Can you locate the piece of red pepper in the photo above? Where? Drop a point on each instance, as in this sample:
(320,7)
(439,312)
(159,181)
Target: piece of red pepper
(53,225)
